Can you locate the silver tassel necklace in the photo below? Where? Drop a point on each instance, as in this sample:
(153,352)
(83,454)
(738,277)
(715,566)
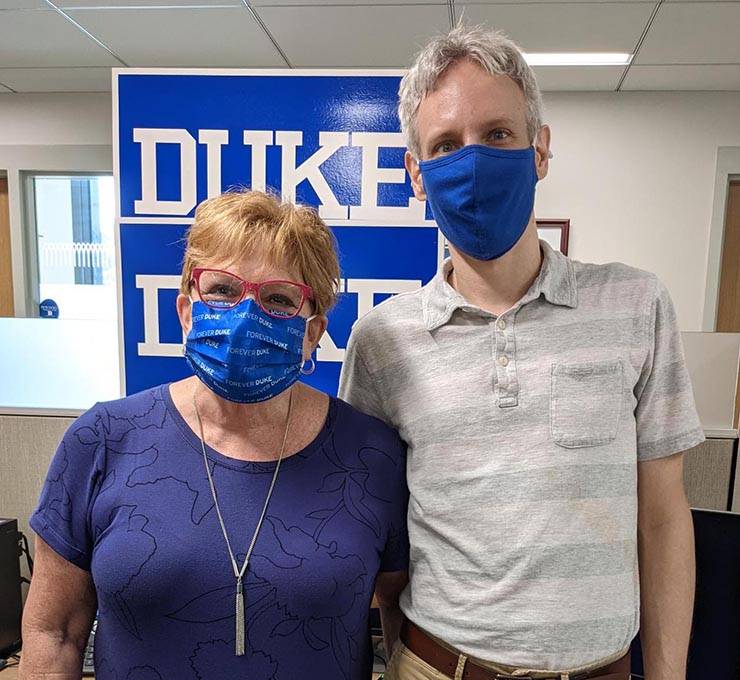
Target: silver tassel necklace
(239,573)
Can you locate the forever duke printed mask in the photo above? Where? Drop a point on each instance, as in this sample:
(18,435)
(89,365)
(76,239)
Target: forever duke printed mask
(243,354)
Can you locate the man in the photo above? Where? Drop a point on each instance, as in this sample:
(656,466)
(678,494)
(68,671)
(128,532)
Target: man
(545,404)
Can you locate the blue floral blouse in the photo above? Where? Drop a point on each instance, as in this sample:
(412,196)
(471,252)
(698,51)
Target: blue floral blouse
(127,498)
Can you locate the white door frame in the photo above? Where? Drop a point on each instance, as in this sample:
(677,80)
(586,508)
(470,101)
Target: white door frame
(728,168)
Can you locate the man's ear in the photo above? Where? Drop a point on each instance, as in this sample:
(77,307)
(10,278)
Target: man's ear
(314,332)
(417,184)
(185,313)
(542,151)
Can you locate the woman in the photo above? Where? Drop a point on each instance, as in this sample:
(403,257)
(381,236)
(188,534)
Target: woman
(236,523)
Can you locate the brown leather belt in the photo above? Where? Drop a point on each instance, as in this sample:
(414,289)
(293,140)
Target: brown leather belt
(445,661)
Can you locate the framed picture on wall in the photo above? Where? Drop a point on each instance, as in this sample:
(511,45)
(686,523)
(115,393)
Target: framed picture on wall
(555,232)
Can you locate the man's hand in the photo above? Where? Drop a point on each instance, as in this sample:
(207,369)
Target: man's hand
(388,588)
(667,568)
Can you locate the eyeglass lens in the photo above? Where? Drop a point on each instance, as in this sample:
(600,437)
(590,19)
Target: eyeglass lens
(222,290)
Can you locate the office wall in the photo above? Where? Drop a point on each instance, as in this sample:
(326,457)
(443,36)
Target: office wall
(708,476)
(27,444)
(634,171)
(48,132)
(54,119)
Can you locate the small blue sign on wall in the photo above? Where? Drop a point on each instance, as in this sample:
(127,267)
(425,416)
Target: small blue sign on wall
(48,309)
(326,139)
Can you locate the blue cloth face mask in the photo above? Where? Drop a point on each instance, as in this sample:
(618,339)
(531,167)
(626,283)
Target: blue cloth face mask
(243,354)
(481,197)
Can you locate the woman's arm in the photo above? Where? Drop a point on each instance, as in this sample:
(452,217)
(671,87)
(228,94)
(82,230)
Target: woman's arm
(57,618)
(388,588)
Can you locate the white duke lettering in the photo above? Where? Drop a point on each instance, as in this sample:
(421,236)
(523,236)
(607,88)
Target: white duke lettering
(291,172)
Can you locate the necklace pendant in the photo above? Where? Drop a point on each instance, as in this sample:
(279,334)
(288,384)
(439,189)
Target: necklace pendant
(240,627)
(240,642)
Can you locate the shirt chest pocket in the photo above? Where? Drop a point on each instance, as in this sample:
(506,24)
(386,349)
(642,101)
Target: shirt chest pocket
(585,403)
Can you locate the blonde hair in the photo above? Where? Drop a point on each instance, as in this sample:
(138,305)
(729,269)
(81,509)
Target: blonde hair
(241,223)
(491,50)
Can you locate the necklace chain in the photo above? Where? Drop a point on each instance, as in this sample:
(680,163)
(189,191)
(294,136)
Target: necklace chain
(239,573)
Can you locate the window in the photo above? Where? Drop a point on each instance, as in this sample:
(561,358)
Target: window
(6,266)
(64,356)
(73,217)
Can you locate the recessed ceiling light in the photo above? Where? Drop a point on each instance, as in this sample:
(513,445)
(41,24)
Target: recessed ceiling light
(578,58)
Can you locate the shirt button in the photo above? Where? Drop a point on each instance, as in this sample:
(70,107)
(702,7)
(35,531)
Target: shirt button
(504,361)
(501,324)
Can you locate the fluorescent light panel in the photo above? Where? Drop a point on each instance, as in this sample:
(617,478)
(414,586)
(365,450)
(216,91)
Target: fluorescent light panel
(577,58)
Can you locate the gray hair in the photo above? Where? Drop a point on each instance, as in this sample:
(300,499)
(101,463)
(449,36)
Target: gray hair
(492,50)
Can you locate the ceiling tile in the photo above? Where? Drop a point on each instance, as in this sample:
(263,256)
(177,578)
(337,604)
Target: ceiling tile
(346,36)
(565,27)
(683,77)
(112,4)
(46,38)
(57,79)
(195,37)
(693,33)
(371,3)
(560,2)
(22,4)
(578,78)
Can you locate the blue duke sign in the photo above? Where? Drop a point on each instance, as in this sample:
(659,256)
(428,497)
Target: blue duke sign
(327,139)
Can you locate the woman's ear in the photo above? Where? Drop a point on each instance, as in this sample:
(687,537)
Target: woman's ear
(185,313)
(315,329)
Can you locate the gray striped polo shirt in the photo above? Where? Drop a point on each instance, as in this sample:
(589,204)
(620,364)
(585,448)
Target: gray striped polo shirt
(524,432)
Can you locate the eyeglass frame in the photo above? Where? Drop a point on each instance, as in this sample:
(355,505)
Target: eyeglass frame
(251,286)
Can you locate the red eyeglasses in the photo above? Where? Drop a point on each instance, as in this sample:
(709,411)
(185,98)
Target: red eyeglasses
(223,290)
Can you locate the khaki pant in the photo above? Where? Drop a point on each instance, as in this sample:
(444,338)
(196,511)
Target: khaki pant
(405,665)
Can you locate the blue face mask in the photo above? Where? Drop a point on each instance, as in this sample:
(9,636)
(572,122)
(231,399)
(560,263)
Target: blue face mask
(481,197)
(243,354)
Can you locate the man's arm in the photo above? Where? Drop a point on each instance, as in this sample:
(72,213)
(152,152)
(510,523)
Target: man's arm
(667,568)
(56,619)
(388,588)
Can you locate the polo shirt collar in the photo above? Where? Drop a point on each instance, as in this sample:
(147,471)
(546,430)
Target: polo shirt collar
(556,282)
(557,278)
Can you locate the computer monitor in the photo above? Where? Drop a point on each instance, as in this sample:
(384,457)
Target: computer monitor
(714,650)
(10,588)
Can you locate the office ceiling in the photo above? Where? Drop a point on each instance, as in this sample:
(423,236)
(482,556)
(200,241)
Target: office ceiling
(70,45)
